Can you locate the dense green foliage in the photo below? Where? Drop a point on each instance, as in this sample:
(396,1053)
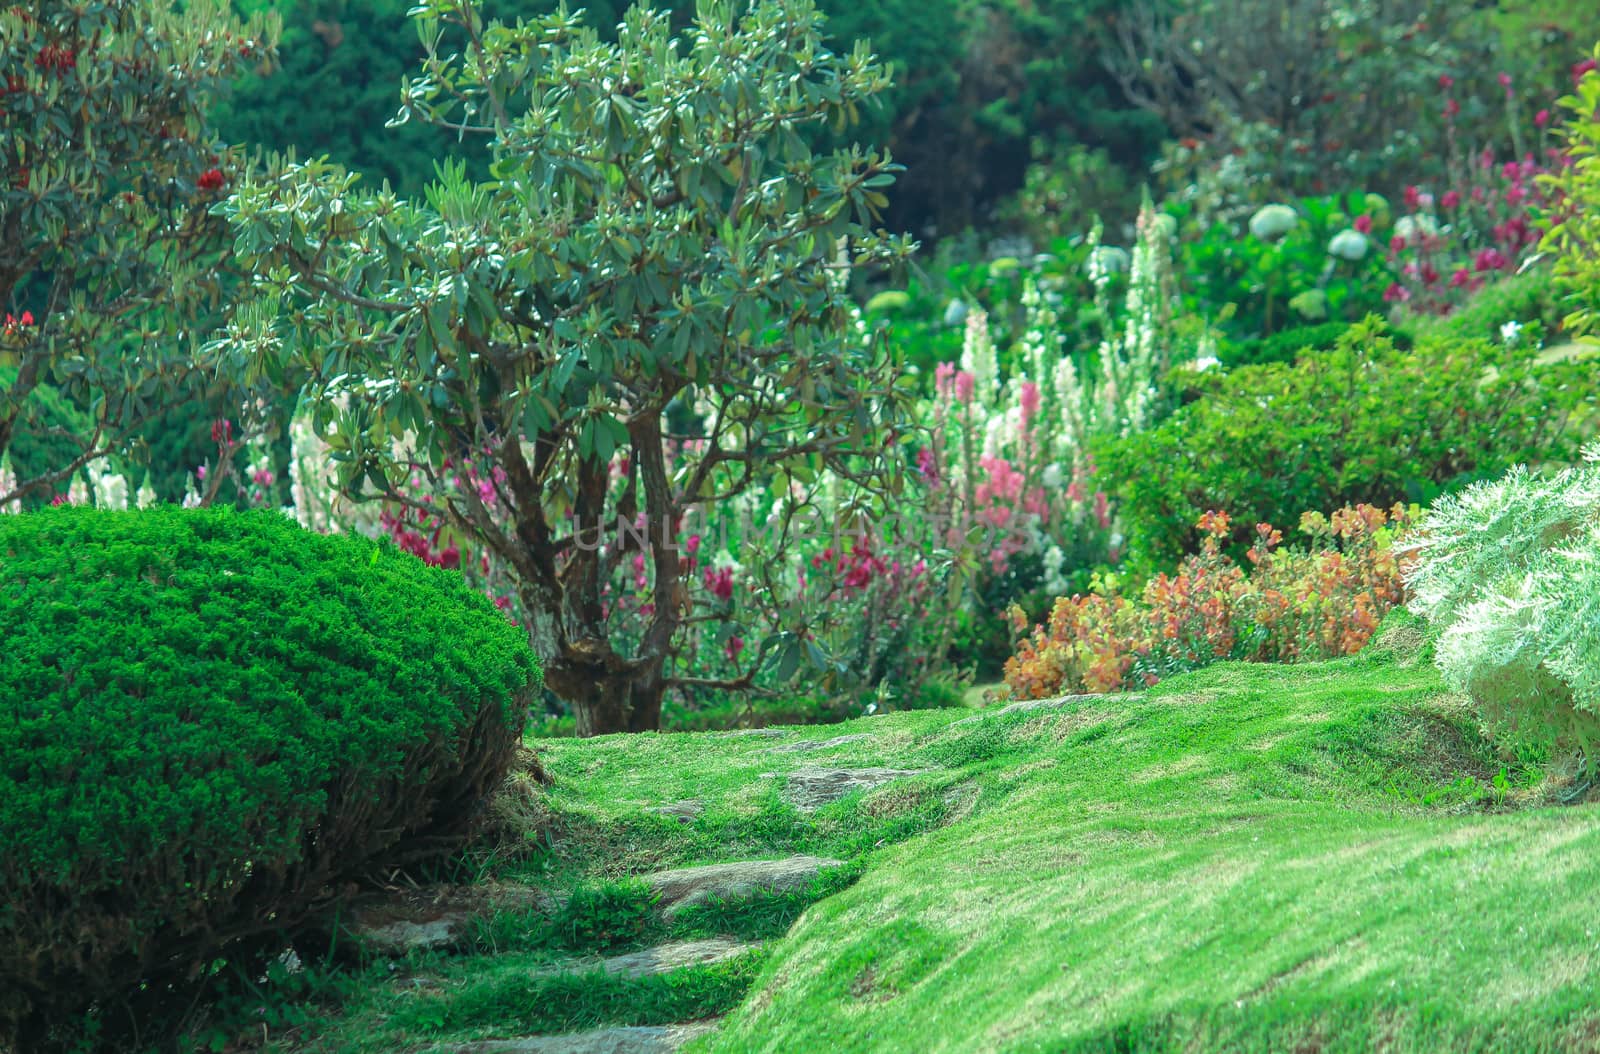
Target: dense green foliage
(110,261)
(1364,422)
(207,717)
(1575,238)
(972,87)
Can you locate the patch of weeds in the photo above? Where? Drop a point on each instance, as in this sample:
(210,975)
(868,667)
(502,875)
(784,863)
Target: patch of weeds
(765,915)
(595,917)
(606,916)
(561,1002)
(889,817)
(983,741)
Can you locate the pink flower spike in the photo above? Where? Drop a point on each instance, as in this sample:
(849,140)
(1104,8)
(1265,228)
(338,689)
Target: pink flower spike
(1541,118)
(964,386)
(1029,398)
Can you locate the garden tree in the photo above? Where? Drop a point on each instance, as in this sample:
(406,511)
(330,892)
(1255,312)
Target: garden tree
(642,311)
(108,248)
(1294,86)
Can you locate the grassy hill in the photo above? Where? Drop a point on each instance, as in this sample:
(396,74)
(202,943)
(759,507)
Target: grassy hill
(1250,858)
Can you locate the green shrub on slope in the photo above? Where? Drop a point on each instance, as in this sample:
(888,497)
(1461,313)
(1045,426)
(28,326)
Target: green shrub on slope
(1364,422)
(207,718)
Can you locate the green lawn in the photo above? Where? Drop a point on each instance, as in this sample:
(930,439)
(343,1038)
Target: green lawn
(1251,858)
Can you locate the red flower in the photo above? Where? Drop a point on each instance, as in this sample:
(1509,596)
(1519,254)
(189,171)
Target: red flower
(1581,68)
(1541,118)
(1363,223)
(211,179)
(1490,260)
(26,319)
(1396,293)
(1451,109)
(1446,81)
(1450,199)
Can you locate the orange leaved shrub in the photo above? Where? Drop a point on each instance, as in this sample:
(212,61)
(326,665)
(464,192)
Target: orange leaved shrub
(1291,605)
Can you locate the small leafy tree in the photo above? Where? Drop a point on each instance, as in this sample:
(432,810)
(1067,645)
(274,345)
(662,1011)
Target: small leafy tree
(1574,236)
(108,250)
(642,311)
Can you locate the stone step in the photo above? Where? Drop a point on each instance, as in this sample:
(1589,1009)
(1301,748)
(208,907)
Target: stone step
(630,1039)
(809,789)
(685,887)
(663,958)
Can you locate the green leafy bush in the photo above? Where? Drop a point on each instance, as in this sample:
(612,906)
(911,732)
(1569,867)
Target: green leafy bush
(1507,574)
(1527,298)
(1286,346)
(207,718)
(1575,238)
(1365,422)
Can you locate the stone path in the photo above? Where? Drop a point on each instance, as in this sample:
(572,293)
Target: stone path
(443,919)
(685,887)
(810,789)
(663,958)
(631,1039)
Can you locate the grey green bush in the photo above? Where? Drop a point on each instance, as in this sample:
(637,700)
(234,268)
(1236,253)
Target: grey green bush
(1508,574)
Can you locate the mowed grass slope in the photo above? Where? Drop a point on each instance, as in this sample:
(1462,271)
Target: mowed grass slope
(1314,858)
(1250,858)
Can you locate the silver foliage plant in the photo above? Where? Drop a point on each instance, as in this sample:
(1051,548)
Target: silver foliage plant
(1508,573)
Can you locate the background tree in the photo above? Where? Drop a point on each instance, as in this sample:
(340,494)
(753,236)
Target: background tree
(641,312)
(974,85)
(108,253)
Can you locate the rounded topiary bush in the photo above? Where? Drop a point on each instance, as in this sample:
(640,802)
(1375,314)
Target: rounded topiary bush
(208,718)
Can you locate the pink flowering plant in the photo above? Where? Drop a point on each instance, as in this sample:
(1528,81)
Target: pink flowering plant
(1487,221)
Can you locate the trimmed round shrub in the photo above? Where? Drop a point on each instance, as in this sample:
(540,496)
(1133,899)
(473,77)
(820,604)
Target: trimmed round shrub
(209,720)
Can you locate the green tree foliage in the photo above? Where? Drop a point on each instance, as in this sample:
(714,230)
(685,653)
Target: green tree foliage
(1575,237)
(108,251)
(659,235)
(208,717)
(334,85)
(973,86)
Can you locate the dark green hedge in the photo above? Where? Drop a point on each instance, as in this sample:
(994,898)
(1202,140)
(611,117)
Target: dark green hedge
(208,718)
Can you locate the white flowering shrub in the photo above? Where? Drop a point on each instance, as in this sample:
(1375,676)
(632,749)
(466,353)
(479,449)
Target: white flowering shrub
(1508,573)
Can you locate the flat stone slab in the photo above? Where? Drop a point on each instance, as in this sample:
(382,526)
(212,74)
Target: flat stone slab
(1030,705)
(813,788)
(441,919)
(807,746)
(686,887)
(664,958)
(758,733)
(634,1039)
(686,811)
